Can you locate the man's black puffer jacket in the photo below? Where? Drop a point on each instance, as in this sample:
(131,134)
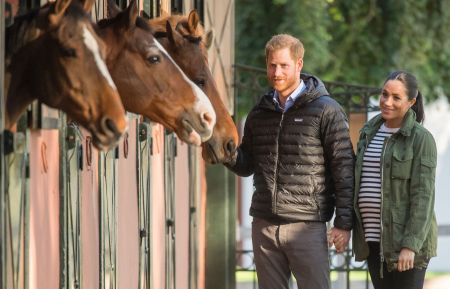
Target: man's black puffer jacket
(302,160)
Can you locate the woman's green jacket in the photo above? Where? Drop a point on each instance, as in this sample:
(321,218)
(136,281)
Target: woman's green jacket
(408,166)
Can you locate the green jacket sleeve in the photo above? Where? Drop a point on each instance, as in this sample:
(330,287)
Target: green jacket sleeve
(422,193)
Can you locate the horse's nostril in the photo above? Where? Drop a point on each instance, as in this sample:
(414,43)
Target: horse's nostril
(109,125)
(230,146)
(206,118)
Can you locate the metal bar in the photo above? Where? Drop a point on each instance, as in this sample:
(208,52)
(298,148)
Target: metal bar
(63,206)
(444,230)
(102,225)
(199,5)
(149,205)
(2,157)
(177,6)
(26,214)
(194,204)
(169,184)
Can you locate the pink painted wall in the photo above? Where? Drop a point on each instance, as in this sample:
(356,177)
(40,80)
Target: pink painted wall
(90,220)
(44,209)
(158,219)
(128,213)
(182,216)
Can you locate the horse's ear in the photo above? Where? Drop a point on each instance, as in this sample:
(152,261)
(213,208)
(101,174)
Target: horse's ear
(144,14)
(59,8)
(171,34)
(87,5)
(112,9)
(209,37)
(193,20)
(131,14)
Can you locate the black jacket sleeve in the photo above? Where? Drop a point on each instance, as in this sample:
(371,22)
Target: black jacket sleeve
(243,165)
(340,162)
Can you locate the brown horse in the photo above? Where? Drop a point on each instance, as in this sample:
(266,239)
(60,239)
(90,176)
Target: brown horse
(187,44)
(54,55)
(149,81)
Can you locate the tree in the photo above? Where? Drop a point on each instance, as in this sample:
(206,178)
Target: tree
(354,41)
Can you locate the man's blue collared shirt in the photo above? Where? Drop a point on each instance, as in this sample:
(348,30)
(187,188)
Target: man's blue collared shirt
(291,98)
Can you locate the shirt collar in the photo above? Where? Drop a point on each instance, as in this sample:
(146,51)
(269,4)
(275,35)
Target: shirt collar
(291,98)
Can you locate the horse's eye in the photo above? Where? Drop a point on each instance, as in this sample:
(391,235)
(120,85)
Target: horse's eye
(200,83)
(68,52)
(154,59)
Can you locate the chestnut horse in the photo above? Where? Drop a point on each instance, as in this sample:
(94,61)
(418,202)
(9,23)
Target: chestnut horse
(186,42)
(149,81)
(54,55)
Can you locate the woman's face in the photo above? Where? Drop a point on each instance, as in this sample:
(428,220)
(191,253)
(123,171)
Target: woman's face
(394,103)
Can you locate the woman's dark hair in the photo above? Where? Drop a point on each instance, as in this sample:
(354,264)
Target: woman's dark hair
(410,83)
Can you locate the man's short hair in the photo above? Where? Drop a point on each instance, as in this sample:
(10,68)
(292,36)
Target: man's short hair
(281,41)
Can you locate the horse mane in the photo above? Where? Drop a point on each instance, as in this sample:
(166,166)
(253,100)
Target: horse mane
(24,29)
(27,27)
(180,24)
(140,22)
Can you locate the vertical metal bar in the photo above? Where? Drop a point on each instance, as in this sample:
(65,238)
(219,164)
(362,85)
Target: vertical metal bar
(194,199)
(168,204)
(79,165)
(144,152)
(140,199)
(26,216)
(199,5)
(149,205)
(63,204)
(101,225)
(2,157)
(176,6)
(155,8)
(115,208)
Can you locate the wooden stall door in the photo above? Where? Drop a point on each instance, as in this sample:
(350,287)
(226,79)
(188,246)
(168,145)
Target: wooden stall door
(44,266)
(127,211)
(157,212)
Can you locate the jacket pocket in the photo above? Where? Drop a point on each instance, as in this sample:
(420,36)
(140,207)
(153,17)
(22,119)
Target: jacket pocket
(398,228)
(401,164)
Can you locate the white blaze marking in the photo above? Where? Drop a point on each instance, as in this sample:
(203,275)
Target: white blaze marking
(92,45)
(202,99)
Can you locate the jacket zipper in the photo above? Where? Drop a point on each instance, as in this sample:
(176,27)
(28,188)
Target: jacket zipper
(381,208)
(274,193)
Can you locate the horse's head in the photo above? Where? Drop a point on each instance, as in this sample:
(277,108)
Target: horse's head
(149,81)
(64,68)
(186,42)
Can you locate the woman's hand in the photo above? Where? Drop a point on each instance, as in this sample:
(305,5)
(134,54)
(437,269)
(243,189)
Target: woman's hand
(339,238)
(405,260)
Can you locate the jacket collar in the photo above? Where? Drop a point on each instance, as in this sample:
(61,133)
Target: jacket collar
(314,89)
(374,124)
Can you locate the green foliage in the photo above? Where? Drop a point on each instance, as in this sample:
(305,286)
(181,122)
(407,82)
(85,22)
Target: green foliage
(354,41)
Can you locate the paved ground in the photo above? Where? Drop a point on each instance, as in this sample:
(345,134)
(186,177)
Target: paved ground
(435,283)
(438,283)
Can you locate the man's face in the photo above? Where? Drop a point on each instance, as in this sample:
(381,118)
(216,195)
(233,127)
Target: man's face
(283,72)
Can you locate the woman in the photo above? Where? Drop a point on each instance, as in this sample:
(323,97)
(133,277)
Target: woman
(396,230)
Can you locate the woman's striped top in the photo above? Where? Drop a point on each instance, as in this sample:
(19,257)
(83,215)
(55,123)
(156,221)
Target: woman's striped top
(369,197)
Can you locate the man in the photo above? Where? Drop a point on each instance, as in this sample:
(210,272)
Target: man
(296,144)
